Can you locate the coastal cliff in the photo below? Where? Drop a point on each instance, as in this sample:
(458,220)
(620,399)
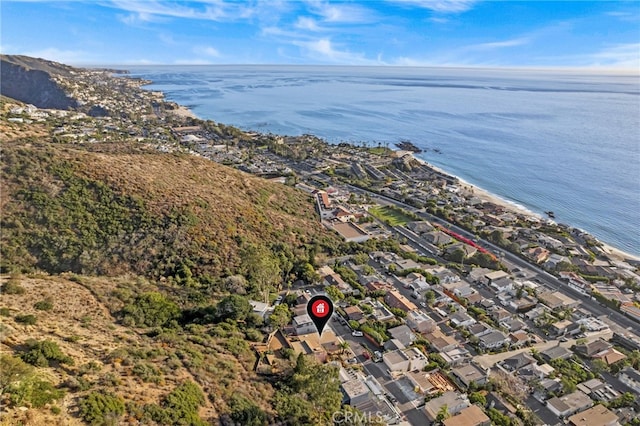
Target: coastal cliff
(32,82)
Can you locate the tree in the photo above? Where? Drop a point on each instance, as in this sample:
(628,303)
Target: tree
(151,309)
(443,413)
(281,316)
(234,307)
(245,412)
(334,293)
(344,345)
(478,398)
(261,268)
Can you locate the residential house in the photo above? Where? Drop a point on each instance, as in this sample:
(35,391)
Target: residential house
(537,254)
(519,339)
(499,314)
(492,276)
(479,329)
(429,383)
(516,362)
(404,360)
(470,416)
(440,341)
(380,311)
(396,300)
(303,324)
(420,322)
(260,308)
(461,319)
(554,260)
(502,285)
(560,328)
(598,390)
(569,404)
(437,238)
(630,377)
(355,391)
(467,374)
(555,352)
(591,349)
(493,340)
(402,333)
(354,313)
(597,415)
(556,300)
(454,401)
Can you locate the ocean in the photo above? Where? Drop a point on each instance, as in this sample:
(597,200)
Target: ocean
(544,140)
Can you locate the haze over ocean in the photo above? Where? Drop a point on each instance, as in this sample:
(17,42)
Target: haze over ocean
(546,140)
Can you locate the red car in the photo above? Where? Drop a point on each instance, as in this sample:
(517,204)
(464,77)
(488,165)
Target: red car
(366,355)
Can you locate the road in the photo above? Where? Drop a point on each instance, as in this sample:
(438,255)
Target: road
(545,278)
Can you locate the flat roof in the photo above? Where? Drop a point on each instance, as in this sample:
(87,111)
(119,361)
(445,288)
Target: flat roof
(349,230)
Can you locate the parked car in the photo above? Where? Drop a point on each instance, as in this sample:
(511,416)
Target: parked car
(377,356)
(366,355)
(357,333)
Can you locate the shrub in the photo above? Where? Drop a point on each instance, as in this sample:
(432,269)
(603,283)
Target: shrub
(245,412)
(27,319)
(12,287)
(41,353)
(5,312)
(182,404)
(97,407)
(44,305)
(150,309)
(147,372)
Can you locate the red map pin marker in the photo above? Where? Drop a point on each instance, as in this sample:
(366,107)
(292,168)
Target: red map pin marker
(320,309)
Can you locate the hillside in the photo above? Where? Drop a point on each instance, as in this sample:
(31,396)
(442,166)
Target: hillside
(127,264)
(31,80)
(117,209)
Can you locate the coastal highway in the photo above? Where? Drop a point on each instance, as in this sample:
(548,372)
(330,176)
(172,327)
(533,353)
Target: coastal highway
(544,277)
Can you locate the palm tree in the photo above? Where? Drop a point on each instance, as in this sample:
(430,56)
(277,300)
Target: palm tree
(344,345)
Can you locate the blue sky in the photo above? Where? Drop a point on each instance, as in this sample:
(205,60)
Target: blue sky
(598,34)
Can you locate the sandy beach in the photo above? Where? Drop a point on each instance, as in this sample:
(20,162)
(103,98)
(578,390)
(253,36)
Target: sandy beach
(513,207)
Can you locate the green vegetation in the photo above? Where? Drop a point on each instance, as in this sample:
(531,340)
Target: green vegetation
(20,384)
(99,408)
(101,216)
(26,319)
(310,395)
(150,309)
(44,305)
(391,215)
(245,412)
(43,353)
(12,287)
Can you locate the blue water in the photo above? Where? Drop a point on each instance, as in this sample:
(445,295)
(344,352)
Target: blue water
(560,141)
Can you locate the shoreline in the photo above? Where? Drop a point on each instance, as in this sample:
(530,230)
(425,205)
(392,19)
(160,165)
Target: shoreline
(485,195)
(617,253)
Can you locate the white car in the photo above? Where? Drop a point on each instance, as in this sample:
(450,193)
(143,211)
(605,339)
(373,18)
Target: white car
(357,333)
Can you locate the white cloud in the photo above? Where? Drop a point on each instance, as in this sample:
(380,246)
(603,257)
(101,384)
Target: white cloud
(306,23)
(341,13)
(206,51)
(622,56)
(499,44)
(323,50)
(440,6)
(212,10)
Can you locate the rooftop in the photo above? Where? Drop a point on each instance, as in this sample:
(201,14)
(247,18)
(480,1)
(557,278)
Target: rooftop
(596,415)
(470,416)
